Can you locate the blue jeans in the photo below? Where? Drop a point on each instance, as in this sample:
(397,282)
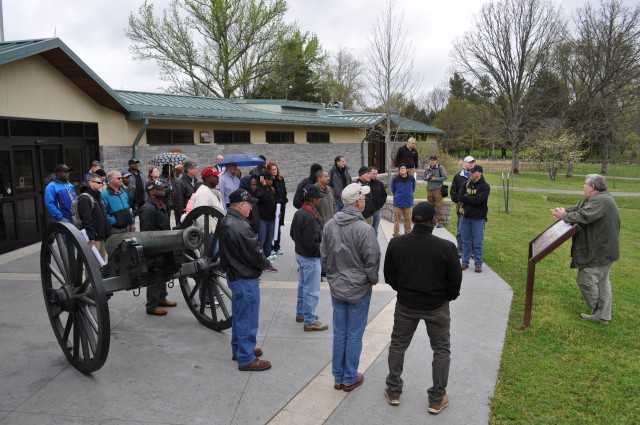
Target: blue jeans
(472,239)
(245,307)
(376,221)
(349,321)
(459,233)
(265,235)
(309,269)
(339,207)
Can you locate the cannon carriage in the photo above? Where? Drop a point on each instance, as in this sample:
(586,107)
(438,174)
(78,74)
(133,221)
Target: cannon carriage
(76,289)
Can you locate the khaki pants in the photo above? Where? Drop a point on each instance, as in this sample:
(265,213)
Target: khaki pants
(398,214)
(434,197)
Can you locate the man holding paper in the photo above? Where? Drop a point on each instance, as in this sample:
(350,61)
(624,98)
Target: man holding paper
(92,212)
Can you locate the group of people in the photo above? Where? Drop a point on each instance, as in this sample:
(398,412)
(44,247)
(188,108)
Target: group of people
(334,231)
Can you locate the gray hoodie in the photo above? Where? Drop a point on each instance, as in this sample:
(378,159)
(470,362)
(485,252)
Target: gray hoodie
(353,255)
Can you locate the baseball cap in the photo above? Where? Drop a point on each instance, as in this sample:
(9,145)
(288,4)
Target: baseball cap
(133,161)
(469,159)
(423,212)
(209,171)
(352,192)
(363,170)
(62,167)
(311,191)
(476,169)
(125,173)
(241,195)
(154,184)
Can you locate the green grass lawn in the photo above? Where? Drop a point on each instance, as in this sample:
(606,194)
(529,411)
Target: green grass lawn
(563,369)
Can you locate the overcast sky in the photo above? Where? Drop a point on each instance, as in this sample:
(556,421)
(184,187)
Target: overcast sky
(94,30)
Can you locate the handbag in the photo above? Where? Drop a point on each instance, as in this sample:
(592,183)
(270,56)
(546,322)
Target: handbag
(444,190)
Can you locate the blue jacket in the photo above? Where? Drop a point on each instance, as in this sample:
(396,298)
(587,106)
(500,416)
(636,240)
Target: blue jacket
(115,202)
(58,197)
(402,189)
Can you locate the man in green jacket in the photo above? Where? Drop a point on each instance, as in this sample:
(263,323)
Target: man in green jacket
(596,246)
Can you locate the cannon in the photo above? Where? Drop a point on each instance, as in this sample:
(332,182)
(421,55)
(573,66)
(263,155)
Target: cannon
(76,289)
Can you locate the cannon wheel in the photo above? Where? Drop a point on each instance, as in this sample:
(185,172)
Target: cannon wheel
(216,314)
(75,298)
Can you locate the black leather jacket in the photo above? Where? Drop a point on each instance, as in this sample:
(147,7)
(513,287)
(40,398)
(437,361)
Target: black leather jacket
(240,252)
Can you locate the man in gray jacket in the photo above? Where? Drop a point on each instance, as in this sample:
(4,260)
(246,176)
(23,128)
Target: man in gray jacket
(353,259)
(435,174)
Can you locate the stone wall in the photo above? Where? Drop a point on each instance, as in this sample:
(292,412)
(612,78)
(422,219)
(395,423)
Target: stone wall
(387,210)
(294,160)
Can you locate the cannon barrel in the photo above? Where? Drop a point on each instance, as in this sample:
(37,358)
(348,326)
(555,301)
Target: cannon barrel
(158,242)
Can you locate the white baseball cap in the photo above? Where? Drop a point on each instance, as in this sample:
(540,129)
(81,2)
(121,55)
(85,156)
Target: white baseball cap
(469,158)
(352,192)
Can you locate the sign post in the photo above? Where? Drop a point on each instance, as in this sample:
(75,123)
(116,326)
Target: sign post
(539,247)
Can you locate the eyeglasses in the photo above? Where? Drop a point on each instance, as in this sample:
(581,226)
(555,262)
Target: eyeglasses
(117,178)
(96,181)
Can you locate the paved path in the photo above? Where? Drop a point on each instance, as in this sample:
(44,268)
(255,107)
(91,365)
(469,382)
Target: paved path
(171,370)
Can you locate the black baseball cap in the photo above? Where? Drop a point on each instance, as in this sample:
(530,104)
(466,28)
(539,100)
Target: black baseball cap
(476,169)
(241,195)
(62,167)
(422,212)
(311,191)
(154,184)
(363,170)
(133,161)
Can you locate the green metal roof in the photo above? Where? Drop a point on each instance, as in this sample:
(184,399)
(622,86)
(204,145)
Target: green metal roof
(405,125)
(60,56)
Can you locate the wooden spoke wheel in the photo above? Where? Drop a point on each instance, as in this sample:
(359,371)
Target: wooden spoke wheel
(207,293)
(75,298)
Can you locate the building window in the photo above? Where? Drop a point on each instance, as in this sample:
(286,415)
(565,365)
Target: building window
(231,137)
(279,136)
(318,137)
(169,137)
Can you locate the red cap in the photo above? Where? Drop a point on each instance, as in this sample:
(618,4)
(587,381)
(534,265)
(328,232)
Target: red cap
(209,171)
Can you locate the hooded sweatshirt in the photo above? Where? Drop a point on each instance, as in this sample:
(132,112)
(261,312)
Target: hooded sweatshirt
(353,255)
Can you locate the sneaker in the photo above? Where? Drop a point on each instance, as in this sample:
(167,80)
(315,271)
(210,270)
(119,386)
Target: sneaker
(317,326)
(464,266)
(435,408)
(393,400)
(300,319)
(594,318)
(479,268)
(207,304)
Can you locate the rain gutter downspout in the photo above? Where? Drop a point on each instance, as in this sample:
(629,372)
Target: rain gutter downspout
(136,142)
(362,151)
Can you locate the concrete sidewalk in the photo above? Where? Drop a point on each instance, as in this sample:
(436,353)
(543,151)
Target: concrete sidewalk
(171,370)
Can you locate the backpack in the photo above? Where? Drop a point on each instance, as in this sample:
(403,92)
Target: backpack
(74,209)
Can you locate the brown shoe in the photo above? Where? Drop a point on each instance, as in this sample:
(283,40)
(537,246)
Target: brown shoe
(393,400)
(300,319)
(479,268)
(256,366)
(338,387)
(256,352)
(167,303)
(464,266)
(316,326)
(157,311)
(435,408)
(355,385)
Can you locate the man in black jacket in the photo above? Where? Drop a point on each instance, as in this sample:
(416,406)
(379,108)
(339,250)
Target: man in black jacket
(425,289)
(298,198)
(243,260)
(474,212)
(458,187)
(154,215)
(379,197)
(306,233)
(408,155)
(184,188)
(92,212)
(266,195)
(364,176)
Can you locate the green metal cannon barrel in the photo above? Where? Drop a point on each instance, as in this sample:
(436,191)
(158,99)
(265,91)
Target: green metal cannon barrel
(158,242)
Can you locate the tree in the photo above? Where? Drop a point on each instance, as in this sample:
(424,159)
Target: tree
(554,148)
(346,79)
(298,73)
(218,48)
(603,72)
(389,66)
(435,101)
(504,55)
